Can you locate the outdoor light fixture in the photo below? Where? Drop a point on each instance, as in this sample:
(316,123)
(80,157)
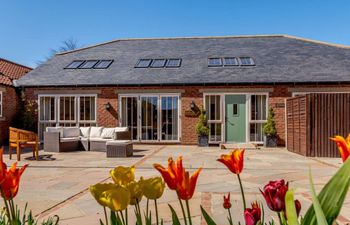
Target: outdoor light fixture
(107,106)
(192,105)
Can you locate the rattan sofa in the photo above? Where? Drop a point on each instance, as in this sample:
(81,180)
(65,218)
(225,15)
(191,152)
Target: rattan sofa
(66,139)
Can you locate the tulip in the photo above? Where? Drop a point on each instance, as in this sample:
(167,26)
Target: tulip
(3,167)
(227,202)
(135,192)
(173,175)
(343,146)
(274,193)
(97,190)
(252,215)
(297,206)
(123,175)
(188,185)
(233,161)
(152,188)
(116,199)
(10,183)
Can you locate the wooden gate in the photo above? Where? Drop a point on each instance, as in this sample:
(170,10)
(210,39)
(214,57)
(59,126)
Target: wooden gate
(313,118)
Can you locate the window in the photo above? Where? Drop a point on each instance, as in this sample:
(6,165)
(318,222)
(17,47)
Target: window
(258,116)
(158,63)
(143,63)
(67,109)
(214,62)
(103,64)
(75,64)
(88,64)
(172,63)
(213,111)
(230,61)
(246,61)
(87,109)
(0,104)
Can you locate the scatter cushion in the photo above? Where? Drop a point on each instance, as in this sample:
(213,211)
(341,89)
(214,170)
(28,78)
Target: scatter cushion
(108,133)
(95,132)
(121,129)
(85,132)
(55,129)
(71,132)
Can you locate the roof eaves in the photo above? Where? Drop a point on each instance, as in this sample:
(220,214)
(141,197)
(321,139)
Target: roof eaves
(9,61)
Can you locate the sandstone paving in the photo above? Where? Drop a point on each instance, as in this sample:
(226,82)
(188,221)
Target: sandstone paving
(59,186)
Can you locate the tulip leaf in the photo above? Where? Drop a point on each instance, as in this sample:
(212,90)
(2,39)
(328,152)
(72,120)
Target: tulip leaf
(321,219)
(207,218)
(174,216)
(292,216)
(331,197)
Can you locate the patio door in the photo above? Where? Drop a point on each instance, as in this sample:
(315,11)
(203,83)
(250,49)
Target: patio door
(129,112)
(149,118)
(235,120)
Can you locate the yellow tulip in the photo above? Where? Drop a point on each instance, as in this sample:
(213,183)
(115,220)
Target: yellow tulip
(116,199)
(97,190)
(123,175)
(152,188)
(135,192)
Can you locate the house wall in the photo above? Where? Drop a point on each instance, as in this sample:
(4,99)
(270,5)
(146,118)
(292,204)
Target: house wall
(110,118)
(10,107)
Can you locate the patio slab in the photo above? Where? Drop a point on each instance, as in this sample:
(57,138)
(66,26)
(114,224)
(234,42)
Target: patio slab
(60,186)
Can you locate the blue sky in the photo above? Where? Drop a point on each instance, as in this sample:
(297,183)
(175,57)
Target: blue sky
(29,29)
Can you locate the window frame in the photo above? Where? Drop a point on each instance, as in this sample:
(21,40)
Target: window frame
(211,58)
(100,61)
(251,60)
(250,121)
(168,60)
(87,61)
(230,65)
(155,60)
(138,62)
(82,62)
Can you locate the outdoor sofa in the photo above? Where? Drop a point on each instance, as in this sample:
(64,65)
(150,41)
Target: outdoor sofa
(65,139)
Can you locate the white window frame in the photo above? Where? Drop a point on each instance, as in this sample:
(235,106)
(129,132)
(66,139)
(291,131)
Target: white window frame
(222,115)
(159,96)
(95,113)
(250,121)
(74,110)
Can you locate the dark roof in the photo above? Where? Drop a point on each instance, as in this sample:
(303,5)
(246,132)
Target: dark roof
(278,58)
(10,71)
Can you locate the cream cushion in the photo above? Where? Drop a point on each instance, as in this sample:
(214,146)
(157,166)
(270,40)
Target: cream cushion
(95,132)
(55,129)
(85,132)
(121,129)
(71,132)
(108,133)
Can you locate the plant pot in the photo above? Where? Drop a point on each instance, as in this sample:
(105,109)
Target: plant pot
(270,141)
(203,141)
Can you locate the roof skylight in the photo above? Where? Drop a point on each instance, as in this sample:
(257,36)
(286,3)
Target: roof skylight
(88,64)
(230,61)
(214,62)
(75,64)
(246,61)
(103,64)
(143,63)
(158,63)
(172,63)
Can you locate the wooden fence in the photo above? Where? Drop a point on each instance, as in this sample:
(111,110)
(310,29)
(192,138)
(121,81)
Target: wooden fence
(312,119)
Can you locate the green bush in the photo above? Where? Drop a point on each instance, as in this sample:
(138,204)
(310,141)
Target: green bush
(202,128)
(270,126)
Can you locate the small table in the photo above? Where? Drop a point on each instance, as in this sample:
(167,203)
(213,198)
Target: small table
(119,148)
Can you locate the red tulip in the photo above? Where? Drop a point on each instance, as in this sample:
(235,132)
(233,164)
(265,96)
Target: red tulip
(252,215)
(188,185)
(10,184)
(343,146)
(227,202)
(297,206)
(233,161)
(174,174)
(3,167)
(274,194)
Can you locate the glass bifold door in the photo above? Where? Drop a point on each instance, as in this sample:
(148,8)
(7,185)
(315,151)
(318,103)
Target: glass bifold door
(151,117)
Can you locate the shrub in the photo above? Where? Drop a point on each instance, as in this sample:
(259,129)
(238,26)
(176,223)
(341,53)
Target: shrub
(270,126)
(202,128)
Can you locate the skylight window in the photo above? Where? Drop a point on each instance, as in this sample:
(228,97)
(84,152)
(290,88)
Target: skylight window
(230,61)
(172,63)
(103,64)
(158,63)
(214,62)
(88,64)
(246,61)
(75,64)
(143,63)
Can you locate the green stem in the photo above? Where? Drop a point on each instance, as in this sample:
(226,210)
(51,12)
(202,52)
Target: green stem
(122,216)
(183,209)
(105,211)
(12,207)
(229,213)
(279,218)
(147,207)
(188,213)
(242,192)
(6,206)
(156,208)
(126,216)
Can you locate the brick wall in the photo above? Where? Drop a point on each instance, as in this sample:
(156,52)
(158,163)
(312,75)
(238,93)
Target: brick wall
(10,107)
(109,118)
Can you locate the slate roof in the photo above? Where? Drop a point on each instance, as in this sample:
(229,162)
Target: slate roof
(10,71)
(278,58)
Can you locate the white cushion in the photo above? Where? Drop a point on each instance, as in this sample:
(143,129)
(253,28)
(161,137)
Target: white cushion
(70,139)
(85,131)
(55,129)
(69,132)
(95,132)
(108,133)
(116,142)
(98,139)
(121,129)
(83,138)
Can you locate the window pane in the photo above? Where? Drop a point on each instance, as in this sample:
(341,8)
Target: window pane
(47,108)
(246,61)
(75,64)
(88,64)
(87,108)
(103,64)
(214,62)
(149,118)
(129,115)
(258,107)
(158,63)
(230,62)
(143,63)
(256,132)
(169,120)
(215,132)
(173,63)
(213,107)
(67,109)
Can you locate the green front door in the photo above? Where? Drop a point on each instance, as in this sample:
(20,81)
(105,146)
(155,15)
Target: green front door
(235,118)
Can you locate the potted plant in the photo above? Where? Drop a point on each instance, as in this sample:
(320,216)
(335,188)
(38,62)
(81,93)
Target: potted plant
(270,131)
(202,129)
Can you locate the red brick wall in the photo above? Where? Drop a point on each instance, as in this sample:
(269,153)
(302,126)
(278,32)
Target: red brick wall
(110,118)
(10,107)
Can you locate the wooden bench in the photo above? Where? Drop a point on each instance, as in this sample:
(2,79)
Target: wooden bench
(23,139)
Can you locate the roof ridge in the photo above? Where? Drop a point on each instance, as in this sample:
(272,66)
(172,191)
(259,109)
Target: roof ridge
(317,42)
(12,62)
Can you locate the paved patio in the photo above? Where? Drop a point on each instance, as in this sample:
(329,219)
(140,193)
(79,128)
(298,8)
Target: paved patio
(58,183)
